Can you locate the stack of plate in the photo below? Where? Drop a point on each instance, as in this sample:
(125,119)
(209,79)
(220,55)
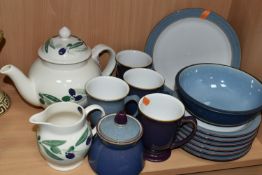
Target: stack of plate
(220,143)
(193,36)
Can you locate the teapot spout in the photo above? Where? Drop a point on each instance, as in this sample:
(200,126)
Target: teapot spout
(24,85)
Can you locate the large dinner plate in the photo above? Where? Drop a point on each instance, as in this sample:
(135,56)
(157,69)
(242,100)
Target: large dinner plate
(220,143)
(203,146)
(191,36)
(187,131)
(216,158)
(226,132)
(216,153)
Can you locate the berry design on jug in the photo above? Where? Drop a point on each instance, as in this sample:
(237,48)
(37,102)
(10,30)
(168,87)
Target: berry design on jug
(53,147)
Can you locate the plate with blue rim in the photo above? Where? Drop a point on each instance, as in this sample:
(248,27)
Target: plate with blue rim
(210,130)
(213,142)
(216,153)
(216,158)
(191,36)
(219,139)
(230,148)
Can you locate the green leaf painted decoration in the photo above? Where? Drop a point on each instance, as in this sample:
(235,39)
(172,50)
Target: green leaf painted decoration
(66,98)
(47,99)
(53,143)
(46,45)
(81,49)
(40,95)
(82,138)
(51,44)
(70,149)
(50,154)
(55,150)
(69,45)
(48,102)
(51,98)
(42,101)
(77,44)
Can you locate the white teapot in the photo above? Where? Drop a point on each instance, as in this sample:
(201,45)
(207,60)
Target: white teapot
(64,65)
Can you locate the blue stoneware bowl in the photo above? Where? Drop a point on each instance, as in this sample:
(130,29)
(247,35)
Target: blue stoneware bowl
(219,95)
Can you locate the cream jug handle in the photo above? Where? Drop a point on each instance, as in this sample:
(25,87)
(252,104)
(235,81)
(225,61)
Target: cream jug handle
(92,108)
(97,50)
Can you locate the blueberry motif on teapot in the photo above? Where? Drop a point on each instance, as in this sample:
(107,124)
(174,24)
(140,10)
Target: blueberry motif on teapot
(74,95)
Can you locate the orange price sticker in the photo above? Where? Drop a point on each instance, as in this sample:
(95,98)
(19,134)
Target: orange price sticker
(146,101)
(205,14)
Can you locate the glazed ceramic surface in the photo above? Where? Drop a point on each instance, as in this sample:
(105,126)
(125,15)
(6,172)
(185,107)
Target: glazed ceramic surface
(216,131)
(224,152)
(214,157)
(216,153)
(117,148)
(129,59)
(162,116)
(63,134)
(110,93)
(220,139)
(219,94)
(221,143)
(188,37)
(64,65)
(229,148)
(142,81)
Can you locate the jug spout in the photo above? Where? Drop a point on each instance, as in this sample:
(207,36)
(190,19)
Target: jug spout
(38,118)
(24,85)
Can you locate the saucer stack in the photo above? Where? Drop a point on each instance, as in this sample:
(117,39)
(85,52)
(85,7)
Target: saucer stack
(220,143)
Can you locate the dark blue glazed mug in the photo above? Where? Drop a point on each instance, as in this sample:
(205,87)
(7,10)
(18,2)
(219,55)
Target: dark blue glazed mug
(108,92)
(117,147)
(129,59)
(141,82)
(161,116)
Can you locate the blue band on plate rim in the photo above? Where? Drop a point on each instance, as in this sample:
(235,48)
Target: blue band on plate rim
(196,12)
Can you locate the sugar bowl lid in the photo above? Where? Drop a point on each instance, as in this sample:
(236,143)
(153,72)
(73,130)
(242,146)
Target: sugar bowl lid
(64,49)
(119,129)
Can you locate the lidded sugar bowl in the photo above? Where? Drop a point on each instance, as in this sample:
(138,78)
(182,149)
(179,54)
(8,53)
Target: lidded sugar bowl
(117,148)
(64,65)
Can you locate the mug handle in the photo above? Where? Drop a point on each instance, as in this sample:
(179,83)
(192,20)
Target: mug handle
(184,120)
(133,98)
(92,108)
(97,50)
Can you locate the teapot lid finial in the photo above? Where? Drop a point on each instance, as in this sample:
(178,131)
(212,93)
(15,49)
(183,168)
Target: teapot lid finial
(64,32)
(64,48)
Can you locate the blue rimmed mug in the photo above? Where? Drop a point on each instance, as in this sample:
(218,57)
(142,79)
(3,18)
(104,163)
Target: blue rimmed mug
(109,92)
(129,59)
(142,81)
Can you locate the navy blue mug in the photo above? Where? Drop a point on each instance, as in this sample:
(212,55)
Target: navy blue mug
(141,82)
(129,59)
(161,116)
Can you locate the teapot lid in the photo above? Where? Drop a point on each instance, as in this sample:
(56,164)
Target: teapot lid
(119,129)
(64,49)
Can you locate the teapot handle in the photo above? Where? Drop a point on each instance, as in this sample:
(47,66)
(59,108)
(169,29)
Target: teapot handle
(97,50)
